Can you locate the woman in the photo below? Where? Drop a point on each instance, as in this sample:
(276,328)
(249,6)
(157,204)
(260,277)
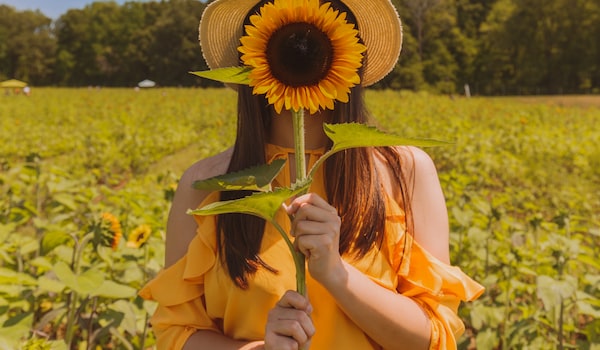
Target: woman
(373,227)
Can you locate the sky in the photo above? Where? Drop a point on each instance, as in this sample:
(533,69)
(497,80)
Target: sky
(51,8)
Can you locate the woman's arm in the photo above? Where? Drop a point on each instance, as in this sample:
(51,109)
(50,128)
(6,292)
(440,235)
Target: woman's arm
(429,211)
(181,227)
(205,339)
(392,320)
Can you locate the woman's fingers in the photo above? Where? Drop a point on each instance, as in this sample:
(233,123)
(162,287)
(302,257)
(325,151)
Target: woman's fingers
(309,212)
(289,325)
(298,327)
(312,199)
(291,299)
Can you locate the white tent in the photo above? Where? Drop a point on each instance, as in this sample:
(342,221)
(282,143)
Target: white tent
(146,83)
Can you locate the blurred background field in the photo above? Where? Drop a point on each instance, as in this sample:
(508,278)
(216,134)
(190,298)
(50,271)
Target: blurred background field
(521,179)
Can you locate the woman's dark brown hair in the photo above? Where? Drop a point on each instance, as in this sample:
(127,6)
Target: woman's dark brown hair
(351,180)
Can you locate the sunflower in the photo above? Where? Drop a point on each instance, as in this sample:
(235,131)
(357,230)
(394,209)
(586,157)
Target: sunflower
(139,236)
(108,232)
(303,55)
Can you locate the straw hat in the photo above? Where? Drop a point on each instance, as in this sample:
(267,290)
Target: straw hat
(378,25)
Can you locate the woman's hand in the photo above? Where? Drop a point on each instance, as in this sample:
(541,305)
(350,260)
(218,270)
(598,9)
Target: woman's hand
(316,226)
(289,325)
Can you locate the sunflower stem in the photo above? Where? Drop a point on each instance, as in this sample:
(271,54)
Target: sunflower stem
(299,144)
(298,260)
(299,148)
(74,297)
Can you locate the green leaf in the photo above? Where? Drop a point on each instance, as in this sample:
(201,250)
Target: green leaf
(463,217)
(67,200)
(53,239)
(552,292)
(264,204)
(47,284)
(41,263)
(84,284)
(28,245)
(483,316)
(57,345)
(6,257)
(6,230)
(15,329)
(128,321)
(231,75)
(149,306)
(590,260)
(65,274)
(257,178)
(110,289)
(587,309)
(350,135)
(10,277)
(488,339)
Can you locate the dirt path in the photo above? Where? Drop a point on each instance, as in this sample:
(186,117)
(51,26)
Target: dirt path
(179,161)
(562,100)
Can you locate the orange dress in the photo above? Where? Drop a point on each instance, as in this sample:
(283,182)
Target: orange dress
(196,292)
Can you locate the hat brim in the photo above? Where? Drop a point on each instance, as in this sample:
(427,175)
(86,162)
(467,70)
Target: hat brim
(379,26)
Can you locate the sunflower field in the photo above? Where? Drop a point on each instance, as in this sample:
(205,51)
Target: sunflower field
(87,177)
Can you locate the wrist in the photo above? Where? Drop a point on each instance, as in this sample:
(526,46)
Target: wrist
(336,278)
(255,345)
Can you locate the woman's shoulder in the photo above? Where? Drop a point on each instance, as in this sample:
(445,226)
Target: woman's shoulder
(411,161)
(414,158)
(206,168)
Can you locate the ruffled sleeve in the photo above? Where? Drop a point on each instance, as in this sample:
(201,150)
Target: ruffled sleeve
(179,291)
(438,288)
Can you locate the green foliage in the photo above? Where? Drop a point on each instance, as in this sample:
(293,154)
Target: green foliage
(520,182)
(83,153)
(104,44)
(233,75)
(262,204)
(27,45)
(257,178)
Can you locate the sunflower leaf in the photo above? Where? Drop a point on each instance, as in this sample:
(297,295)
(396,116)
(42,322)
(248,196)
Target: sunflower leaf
(256,178)
(262,204)
(230,75)
(84,283)
(353,135)
(350,135)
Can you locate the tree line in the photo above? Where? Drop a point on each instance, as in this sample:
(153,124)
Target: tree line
(496,47)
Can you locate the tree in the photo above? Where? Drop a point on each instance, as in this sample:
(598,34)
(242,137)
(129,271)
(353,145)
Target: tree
(439,46)
(418,10)
(496,46)
(27,45)
(174,50)
(108,44)
(494,66)
(536,46)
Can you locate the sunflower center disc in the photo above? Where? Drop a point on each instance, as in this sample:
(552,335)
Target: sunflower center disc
(299,54)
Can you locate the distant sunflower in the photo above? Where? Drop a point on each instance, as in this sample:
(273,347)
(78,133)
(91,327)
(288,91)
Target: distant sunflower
(303,55)
(139,236)
(108,233)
